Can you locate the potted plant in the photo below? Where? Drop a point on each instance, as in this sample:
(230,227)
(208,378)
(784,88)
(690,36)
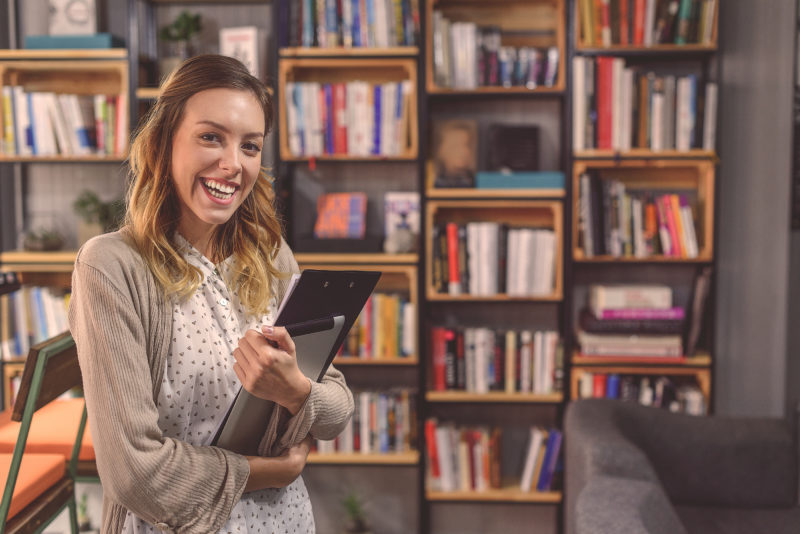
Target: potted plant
(178,36)
(96,216)
(43,239)
(356,517)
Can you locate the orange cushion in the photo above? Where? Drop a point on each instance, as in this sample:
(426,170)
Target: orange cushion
(37,473)
(54,429)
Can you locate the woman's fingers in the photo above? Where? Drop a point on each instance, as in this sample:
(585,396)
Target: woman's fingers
(280,336)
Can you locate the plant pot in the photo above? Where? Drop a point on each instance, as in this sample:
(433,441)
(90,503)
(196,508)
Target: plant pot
(86,231)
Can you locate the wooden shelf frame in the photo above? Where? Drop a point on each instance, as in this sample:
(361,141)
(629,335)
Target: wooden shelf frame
(493,397)
(645,153)
(405,361)
(354,51)
(409,458)
(537,23)
(505,495)
(515,213)
(582,47)
(654,175)
(474,193)
(343,70)
(701,374)
(579,360)
(82,74)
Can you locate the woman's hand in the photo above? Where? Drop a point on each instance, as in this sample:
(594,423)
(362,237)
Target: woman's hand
(278,472)
(266,365)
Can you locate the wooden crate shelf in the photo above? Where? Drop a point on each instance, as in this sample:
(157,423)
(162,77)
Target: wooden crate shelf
(357,458)
(505,495)
(701,374)
(493,397)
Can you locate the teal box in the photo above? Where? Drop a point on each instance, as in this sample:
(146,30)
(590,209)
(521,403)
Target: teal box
(519,180)
(50,42)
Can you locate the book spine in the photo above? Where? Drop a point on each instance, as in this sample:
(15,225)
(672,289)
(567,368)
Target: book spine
(675,313)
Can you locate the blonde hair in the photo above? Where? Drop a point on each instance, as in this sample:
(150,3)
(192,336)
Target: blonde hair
(252,235)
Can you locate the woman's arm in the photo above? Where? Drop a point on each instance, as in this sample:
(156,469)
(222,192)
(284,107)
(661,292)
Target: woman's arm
(280,471)
(161,480)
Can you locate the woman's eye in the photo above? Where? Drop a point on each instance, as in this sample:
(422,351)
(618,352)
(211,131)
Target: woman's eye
(210,137)
(251,147)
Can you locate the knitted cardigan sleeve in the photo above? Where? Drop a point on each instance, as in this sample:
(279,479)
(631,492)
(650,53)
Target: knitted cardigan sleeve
(167,482)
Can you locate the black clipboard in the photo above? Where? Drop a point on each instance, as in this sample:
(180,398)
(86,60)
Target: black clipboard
(318,313)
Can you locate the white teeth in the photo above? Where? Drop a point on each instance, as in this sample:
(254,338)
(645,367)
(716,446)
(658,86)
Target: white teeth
(219,190)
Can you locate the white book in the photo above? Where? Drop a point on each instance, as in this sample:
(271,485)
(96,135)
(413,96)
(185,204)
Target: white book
(690,236)
(364,422)
(657,122)
(525,360)
(534,446)
(59,124)
(387,125)
(649,22)
(292,130)
(43,129)
(244,43)
(22,121)
(551,347)
(683,121)
(381,26)
(444,449)
(484,347)
(578,103)
(546,264)
(617,67)
(78,131)
(409,329)
(314,115)
(527,261)
(604,297)
(479,450)
(586,386)
(439,70)
(710,117)
(639,247)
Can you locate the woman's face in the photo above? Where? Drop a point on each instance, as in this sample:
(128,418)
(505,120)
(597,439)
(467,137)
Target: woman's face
(216,157)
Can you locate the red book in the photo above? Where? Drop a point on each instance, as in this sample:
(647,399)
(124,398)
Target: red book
(638,21)
(339,118)
(604,101)
(430,442)
(672,226)
(623,22)
(439,351)
(599,382)
(454,282)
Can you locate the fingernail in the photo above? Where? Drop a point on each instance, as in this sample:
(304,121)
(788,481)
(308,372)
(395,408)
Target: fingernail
(266,329)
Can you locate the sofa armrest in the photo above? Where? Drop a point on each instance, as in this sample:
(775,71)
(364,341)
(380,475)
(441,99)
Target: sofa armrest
(611,505)
(715,460)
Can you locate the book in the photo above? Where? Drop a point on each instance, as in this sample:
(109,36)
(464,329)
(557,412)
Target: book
(697,304)
(603,297)
(341,215)
(592,324)
(519,180)
(244,44)
(318,310)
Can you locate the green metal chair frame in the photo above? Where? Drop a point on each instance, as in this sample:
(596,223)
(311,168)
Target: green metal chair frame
(51,369)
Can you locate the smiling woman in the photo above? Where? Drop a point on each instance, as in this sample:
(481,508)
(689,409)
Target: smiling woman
(173,313)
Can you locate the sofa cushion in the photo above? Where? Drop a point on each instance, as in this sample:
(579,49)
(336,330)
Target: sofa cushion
(612,505)
(715,520)
(53,430)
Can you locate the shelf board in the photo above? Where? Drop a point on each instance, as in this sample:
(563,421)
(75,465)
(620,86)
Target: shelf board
(356,51)
(496,90)
(621,50)
(62,159)
(578,258)
(509,494)
(493,396)
(67,53)
(147,93)
(380,362)
(16,361)
(357,458)
(346,157)
(356,258)
(42,262)
(444,297)
(700,360)
(494,193)
(636,153)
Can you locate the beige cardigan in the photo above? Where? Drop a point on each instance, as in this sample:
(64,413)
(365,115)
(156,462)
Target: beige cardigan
(122,325)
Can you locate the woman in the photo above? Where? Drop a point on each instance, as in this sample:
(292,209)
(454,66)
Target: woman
(170,316)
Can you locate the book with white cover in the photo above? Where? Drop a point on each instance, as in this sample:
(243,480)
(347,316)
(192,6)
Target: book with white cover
(245,43)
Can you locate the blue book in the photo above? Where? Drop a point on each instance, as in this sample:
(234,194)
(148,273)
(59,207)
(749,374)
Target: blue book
(308,23)
(519,180)
(331,25)
(612,386)
(356,24)
(376,122)
(328,126)
(297,100)
(370,8)
(96,40)
(550,460)
(30,132)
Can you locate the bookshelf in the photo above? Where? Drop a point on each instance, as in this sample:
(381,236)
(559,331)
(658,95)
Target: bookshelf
(647,153)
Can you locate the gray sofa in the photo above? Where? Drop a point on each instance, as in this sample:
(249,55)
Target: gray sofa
(632,469)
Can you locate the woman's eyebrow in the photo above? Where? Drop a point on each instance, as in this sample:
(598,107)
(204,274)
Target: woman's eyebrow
(226,130)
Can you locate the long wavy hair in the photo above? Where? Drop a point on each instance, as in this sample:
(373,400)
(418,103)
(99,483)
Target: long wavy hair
(252,235)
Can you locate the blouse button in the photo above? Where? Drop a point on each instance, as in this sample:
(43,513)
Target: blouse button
(223,302)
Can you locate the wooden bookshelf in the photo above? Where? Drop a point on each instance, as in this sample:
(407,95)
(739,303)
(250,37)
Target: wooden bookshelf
(68,54)
(514,213)
(355,259)
(505,495)
(343,70)
(493,397)
(645,153)
(536,24)
(355,51)
(695,177)
(701,374)
(474,193)
(388,459)
(38,262)
(408,361)
(578,359)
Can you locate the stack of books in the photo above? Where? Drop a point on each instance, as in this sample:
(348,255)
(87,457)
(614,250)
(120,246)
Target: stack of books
(632,322)
(670,393)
